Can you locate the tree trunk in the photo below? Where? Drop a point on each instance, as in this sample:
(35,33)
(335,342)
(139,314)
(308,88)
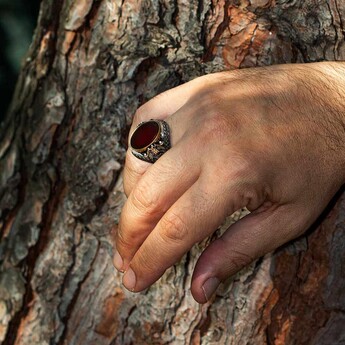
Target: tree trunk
(62,147)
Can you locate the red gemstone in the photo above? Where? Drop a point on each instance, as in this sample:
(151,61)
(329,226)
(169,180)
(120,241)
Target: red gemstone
(144,135)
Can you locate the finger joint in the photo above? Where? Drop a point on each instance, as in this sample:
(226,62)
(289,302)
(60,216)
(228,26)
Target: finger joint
(144,201)
(174,228)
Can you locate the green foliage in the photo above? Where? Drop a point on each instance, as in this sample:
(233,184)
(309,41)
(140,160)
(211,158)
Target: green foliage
(17,22)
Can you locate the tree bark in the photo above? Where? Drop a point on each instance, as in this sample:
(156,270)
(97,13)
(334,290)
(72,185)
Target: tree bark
(62,147)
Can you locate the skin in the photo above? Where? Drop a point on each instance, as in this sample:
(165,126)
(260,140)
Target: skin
(270,139)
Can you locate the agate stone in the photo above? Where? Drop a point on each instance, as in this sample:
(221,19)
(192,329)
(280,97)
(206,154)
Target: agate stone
(144,135)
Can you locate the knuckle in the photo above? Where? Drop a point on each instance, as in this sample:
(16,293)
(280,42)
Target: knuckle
(144,200)
(239,259)
(174,228)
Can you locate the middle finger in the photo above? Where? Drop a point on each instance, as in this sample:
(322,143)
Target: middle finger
(162,184)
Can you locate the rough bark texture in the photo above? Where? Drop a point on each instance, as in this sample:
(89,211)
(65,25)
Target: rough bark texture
(91,64)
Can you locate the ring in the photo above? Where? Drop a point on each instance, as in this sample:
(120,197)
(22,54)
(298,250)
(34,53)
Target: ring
(150,140)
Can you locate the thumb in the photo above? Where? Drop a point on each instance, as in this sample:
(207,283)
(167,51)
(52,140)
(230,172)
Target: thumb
(251,237)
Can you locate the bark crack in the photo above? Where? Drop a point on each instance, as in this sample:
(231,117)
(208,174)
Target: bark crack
(125,325)
(28,265)
(336,31)
(8,216)
(209,54)
(73,302)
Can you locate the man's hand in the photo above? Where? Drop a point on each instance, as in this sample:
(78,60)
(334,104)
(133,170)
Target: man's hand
(269,139)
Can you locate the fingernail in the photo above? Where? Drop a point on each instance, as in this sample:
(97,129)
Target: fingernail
(118,262)
(129,280)
(210,286)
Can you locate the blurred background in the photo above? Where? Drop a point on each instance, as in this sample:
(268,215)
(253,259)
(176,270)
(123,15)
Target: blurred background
(17,23)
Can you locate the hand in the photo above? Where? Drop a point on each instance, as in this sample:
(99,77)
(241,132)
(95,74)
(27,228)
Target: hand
(269,139)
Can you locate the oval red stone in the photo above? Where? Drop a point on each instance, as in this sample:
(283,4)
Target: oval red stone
(144,135)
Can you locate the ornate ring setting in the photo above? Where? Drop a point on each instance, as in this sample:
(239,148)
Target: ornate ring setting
(150,140)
